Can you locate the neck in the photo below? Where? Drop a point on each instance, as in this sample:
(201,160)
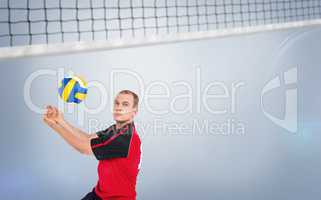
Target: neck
(122,124)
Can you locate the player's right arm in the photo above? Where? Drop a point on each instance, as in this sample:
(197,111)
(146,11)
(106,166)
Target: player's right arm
(78,131)
(73,136)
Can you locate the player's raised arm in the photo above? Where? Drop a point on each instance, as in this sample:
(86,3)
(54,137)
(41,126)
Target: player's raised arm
(73,136)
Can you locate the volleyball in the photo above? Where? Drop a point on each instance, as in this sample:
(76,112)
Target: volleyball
(72,89)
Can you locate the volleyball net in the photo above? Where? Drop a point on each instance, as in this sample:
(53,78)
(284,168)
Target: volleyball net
(42,27)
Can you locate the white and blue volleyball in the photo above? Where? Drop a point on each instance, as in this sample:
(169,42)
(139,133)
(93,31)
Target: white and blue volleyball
(72,89)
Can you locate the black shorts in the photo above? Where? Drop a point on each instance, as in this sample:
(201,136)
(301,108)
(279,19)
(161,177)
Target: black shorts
(91,196)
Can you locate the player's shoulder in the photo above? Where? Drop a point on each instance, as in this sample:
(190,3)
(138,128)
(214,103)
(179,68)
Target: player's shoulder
(106,131)
(128,129)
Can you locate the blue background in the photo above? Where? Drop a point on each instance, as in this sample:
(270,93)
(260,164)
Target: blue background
(264,162)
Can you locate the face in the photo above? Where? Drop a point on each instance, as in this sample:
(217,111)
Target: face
(124,109)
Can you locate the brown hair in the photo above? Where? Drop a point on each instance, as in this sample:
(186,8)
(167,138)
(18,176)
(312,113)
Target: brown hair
(135,96)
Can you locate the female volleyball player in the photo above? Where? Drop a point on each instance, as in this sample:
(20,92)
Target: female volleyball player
(117,148)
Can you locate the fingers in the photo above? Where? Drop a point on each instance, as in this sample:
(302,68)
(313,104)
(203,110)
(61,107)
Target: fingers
(55,112)
(49,116)
(52,115)
(49,121)
(51,111)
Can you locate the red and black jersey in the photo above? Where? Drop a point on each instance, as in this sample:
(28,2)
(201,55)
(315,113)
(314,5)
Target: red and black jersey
(119,155)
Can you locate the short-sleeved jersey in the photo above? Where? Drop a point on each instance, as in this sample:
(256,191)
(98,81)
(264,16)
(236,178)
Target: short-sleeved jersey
(119,155)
